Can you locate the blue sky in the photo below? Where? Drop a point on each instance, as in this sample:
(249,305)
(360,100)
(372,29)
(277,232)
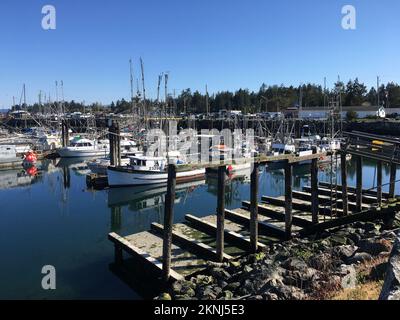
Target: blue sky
(226,44)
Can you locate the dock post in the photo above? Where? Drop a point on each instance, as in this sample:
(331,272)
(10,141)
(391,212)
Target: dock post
(220,213)
(112,145)
(168,221)
(288,199)
(66,133)
(359,184)
(62,134)
(379,182)
(118,255)
(117,146)
(343,166)
(392,180)
(254,208)
(314,188)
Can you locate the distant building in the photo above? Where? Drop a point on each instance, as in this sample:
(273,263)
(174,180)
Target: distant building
(362,112)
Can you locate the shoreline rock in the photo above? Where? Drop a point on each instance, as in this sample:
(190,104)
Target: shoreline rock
(298,269)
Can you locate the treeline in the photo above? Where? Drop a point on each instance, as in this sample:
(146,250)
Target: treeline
(267,98)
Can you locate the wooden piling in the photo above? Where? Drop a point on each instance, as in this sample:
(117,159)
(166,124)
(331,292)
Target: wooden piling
(118,255)
(117,144)
(314,189)
(393,169)
(359,184)
(220,213)
(379,182)
(168,221)
(254,208)
(64,133)
(288,199)
(343,165)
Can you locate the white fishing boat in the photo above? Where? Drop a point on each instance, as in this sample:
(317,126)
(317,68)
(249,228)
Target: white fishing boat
(9,157)
(100,165)
(82,147)
(144,170)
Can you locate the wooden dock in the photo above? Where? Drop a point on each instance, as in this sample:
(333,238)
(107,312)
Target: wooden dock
(176,251)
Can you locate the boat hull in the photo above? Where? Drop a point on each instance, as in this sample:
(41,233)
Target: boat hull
(119,177)
(67,153)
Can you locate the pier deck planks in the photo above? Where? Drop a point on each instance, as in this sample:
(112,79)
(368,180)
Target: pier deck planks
(182,261)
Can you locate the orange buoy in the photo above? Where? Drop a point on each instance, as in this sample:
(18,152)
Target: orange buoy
(30,157)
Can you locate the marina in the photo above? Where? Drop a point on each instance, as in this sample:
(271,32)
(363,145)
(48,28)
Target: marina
(137,215)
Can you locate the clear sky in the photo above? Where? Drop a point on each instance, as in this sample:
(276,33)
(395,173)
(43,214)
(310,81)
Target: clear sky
(226,44)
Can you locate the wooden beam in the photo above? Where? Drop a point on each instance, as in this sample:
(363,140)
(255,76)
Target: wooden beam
(221,213)
(168,221)
(233,237)
(254,208)
(343,166)
(144,257)
(379,182)
(288,199)
(392,185)
(191,244)
(269,228)
(359,183)
(369,215)
(314,188)
(275,214)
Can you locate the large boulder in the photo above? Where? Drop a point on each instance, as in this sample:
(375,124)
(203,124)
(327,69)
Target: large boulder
(348,276)
(391,287)
(374,246)
(345,252)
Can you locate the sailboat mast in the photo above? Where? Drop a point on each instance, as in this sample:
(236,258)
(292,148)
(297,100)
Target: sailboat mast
(131,81)
(143,88)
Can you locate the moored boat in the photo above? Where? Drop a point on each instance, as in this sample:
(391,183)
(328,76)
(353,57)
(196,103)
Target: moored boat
(144,170)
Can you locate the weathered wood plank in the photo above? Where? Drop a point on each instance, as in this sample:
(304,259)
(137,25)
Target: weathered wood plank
(268,228)
(191,244)
(231,236)
(278,213)
(144,256)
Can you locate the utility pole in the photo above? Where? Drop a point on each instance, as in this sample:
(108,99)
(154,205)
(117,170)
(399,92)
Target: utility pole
(40,101)
(24,90)
(207,107)
(166,91)
(377,90)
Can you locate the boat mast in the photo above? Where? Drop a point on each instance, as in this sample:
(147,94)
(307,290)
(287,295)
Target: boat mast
(144,91)
(131,81)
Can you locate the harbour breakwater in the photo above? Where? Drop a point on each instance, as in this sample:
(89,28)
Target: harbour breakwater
(323,266)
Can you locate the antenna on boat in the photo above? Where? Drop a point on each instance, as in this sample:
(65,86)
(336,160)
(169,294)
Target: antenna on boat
(62,97)
(143,88)
(131,81)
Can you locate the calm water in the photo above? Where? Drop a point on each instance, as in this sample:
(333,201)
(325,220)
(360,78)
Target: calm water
(53,219)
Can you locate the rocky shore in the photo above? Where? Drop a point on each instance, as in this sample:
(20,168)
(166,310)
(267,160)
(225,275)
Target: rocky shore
(316,267)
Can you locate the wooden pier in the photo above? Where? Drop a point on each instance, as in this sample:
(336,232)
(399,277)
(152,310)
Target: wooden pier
(175,251)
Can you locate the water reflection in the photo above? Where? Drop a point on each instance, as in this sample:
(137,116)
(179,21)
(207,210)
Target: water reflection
(64,216)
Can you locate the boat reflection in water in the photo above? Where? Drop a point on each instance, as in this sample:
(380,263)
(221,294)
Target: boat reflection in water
(147,202)
(17,178)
